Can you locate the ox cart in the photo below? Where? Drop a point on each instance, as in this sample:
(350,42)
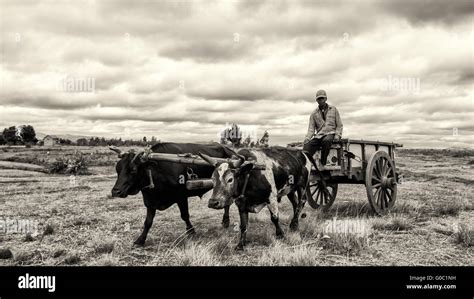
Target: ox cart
(371,163)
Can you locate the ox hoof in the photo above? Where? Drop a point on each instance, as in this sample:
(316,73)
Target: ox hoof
(280,235)
(225,224)
(190,231)
(139,243)
(239,247)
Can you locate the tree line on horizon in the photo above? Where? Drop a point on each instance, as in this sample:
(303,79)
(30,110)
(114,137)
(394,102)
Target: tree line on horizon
(26,135)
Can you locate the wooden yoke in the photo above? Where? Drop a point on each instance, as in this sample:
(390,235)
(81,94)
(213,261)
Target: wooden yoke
(189,159)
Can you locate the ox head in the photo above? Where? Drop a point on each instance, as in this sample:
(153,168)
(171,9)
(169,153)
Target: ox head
(128,181)
(228,179)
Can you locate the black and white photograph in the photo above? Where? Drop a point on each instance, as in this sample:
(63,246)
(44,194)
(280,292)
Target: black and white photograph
(230,134)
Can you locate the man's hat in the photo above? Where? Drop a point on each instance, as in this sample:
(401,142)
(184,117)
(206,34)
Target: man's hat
(321,94)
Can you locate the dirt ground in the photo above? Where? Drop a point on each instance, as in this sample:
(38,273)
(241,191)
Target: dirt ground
(77,222)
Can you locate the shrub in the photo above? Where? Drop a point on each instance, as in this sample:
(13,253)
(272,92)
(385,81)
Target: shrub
(465,235)
(194,254)
(22,257)
(5,253)
(396,223)
(105,247)
(76,164)
(72,259)
(279,255)
(450,208)
(345,244)
(48,230)
(58,252)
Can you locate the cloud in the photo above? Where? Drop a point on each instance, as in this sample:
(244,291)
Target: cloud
(207,51)
(183,70)
(436,11)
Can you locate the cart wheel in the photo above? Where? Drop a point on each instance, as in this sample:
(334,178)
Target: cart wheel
(321,195)
(381,182)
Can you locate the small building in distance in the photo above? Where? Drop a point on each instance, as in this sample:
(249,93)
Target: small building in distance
(50,140)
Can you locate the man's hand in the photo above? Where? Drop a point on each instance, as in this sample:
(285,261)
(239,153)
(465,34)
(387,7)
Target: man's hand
(337,137)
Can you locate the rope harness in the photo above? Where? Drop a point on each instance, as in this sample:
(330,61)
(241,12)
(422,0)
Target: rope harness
(151,185)
(241,197)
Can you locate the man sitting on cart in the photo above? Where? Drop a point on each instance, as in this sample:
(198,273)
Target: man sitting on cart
(325,126)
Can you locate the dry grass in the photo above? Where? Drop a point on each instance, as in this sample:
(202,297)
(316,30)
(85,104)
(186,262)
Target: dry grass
(79,224)
(196,254)
(346,244)
(24,257)
(280,255)
(465,235)
(393,223)
(58,252)
(72,259)
(451,208)
(106,260)
(104,247)
(5,253)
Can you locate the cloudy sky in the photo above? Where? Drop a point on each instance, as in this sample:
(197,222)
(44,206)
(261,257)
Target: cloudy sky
(181,70)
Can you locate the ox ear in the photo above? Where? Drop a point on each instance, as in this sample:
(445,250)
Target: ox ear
(246,168)
(208,159)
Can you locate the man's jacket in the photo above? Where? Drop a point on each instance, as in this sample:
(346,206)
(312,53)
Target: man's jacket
(318,127)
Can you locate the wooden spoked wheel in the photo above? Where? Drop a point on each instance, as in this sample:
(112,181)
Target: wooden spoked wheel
(321,195)
(381,182)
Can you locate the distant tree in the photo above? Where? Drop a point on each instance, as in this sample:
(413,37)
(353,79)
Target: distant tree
(2,140)
(28,135)
(144,139)
(247,141)
(94,141)
(235,135)
(63,141)
(82,142)
(263,142)
(10,135)
(223,139)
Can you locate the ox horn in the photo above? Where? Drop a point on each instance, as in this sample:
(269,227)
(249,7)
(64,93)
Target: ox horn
(237,160)
(137,155)
(208,159)
(236,163)
(117,150)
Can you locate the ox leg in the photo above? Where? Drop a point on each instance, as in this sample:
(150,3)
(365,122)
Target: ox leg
(184,210)
(244,219)
(150,214)
(301,199)
(225,218)
(273,208)
(294,202)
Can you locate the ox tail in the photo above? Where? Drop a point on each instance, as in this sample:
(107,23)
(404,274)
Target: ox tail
(308,163)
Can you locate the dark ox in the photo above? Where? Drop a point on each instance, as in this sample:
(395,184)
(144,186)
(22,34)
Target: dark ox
(133,177)
(286,173)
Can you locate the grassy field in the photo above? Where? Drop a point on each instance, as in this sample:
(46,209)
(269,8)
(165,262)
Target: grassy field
(432,222)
